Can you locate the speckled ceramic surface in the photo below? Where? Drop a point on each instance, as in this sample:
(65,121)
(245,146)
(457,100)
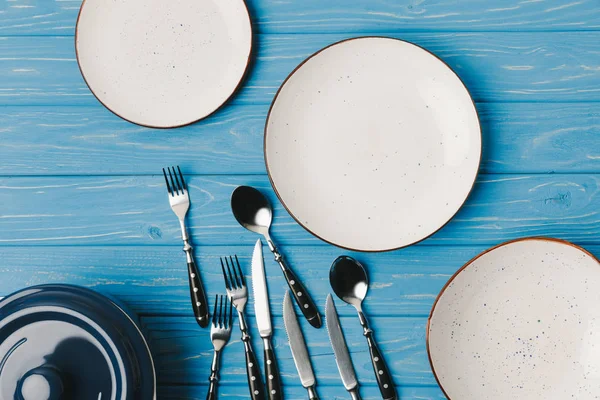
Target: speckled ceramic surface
(163,63)
(521,321)
(373,144)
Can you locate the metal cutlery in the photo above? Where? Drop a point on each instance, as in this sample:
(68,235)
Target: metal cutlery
(237,291)
(253,211)
(179,200)
(263,321)
(298,347)
(340,349)
(349,281)
(220,332)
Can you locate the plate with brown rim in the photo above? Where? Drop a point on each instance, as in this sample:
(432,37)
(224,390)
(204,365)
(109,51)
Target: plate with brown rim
(372,144)
(163,64)
(519,321)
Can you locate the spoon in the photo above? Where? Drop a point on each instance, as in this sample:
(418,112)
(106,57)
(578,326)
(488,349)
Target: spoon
(253,211)
(350,282)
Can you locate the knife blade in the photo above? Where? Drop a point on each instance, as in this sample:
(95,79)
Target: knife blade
(340,348)
(261,295)
(263,321)
(298,347)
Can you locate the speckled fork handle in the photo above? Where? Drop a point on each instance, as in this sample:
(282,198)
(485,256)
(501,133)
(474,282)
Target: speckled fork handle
(197,293)
(214,376)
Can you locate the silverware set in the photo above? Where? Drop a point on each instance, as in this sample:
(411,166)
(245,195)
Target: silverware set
(348,280)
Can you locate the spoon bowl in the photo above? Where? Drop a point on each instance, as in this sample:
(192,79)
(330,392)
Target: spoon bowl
(251,209)
(349,280)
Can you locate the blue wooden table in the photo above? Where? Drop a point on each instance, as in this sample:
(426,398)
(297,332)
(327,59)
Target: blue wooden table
(82,199)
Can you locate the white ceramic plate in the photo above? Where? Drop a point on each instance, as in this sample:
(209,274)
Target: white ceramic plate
(521,321)
(163,63)
(372,144)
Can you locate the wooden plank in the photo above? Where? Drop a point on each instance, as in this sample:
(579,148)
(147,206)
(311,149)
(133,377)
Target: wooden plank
(542,66)
(518,138)
(134,210)
(187,392)
(153,279)
(183,351)
(46,17)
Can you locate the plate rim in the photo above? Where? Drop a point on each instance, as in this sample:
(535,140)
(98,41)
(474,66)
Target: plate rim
(225,101)
(292,74)
(471,261)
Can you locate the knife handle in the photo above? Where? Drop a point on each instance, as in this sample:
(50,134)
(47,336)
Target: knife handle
(312,393)
(197,293)
(382,372)
(255,383)
(355,394)
(303,299)
(272,376)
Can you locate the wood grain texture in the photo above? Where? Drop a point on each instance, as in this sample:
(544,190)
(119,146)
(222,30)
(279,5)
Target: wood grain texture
(152,280)
(169,392)
(134,210)
(533,67)
(524,66)
(51,17)
(183,352)
(517,138)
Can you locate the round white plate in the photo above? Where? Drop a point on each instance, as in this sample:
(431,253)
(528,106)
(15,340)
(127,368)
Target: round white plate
(372,144)
(163,63)
(520,321)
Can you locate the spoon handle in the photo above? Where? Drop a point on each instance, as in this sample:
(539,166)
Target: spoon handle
(382,373)
(303,299)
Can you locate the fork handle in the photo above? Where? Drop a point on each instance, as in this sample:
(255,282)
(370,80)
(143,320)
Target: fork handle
(197,293)
(255,383)
(214,377)
(303,299)
(272,376)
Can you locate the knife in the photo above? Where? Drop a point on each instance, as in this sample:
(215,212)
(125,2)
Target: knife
(340,349)
(263,320)
(298,346)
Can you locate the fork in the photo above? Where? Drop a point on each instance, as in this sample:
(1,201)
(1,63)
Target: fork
(220,332)
(237,291)
(180,204)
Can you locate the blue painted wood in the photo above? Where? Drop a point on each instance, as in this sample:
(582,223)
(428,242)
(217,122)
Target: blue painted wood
(168,392)
(523,66)
(182,351)
(532,66)
(152,280)
(517,137)
(52,17)
(134,210)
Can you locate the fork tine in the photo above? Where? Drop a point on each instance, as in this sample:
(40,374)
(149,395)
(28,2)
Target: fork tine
(227,285)
(183,185)
(233,277)
(214,316)
(239,269)
(167,182)
(225,319)
(179,186)
(172,181)
(221,312)
(230,314)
